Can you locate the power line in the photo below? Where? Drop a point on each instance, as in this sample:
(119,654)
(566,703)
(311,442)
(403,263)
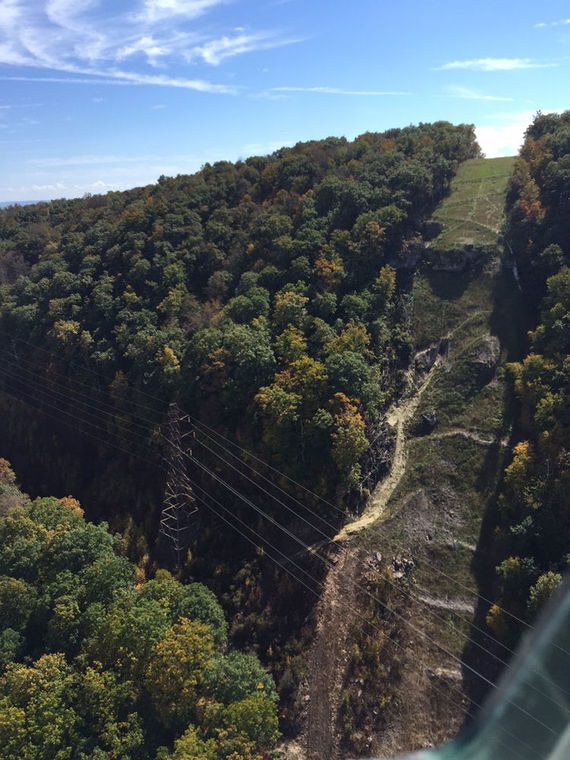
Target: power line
(454,580)
(348,607)
(97,409)
(333,541)
(328,563)
(306,547)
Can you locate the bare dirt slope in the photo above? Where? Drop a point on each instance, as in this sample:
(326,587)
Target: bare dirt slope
(334,628)
(321,691)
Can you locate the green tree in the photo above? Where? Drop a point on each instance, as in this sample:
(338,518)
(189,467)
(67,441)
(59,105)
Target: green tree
(124,638)
(253,719)
(191,746)
(193,601)
(235,676)
(542,590)
(175,671)
(41,698)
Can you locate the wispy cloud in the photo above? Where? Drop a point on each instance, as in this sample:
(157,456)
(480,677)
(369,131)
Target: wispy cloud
(545,24)
(466,93)
(126,44)
(123,78)
(71,176)
(495,64)
(200,85)
(57,187)
(338,91)
(86,160)
(152,49)
(215,51)
(160,10)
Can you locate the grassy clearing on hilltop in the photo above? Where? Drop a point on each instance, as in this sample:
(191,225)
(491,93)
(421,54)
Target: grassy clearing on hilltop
(473,213)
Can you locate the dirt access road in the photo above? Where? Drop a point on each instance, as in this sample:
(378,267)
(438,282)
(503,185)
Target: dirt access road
(397,417)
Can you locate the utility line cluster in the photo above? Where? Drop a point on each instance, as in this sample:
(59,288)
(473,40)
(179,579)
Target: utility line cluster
(76,406)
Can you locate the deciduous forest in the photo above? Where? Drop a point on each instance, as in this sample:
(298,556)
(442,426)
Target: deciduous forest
(533,524)
(273,301)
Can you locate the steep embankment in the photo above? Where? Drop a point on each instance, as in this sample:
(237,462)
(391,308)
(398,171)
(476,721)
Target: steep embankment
(397,417)
(421,525)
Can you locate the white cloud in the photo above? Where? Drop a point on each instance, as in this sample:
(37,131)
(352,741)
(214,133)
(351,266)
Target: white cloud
(11,56)
(544,24)
(10,12)
(338,91)
(199,85)
(58,186)
(152,49)
(466,93)
(123,78)
(158,10)
(503,135)
(98,186)
(83,160)
(66,13)
(96,159)
(217,50)
(75,37)
(495,64)
(504,140)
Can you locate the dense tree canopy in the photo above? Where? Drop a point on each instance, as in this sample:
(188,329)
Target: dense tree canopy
(228,290)
(94,666)
(534,530)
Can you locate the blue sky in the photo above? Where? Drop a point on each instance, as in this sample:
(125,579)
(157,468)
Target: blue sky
(99,95)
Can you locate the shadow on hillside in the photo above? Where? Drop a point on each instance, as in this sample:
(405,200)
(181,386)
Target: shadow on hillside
(449,286)
(483,656)
(509,320)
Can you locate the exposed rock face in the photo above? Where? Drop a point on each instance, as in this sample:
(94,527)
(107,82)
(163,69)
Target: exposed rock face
(424,360)
(452,260)
(485,357)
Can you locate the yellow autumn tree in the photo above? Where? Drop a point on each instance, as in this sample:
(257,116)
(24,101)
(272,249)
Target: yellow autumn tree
(349,441)
(175,671)
(329,269)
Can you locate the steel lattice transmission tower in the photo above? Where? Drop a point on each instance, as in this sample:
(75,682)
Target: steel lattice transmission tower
(179,504)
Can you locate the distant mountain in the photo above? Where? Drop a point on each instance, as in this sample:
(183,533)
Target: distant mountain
(5,204)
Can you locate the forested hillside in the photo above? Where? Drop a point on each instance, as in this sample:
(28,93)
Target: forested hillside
(322,339)
(258,294)
(533,521)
